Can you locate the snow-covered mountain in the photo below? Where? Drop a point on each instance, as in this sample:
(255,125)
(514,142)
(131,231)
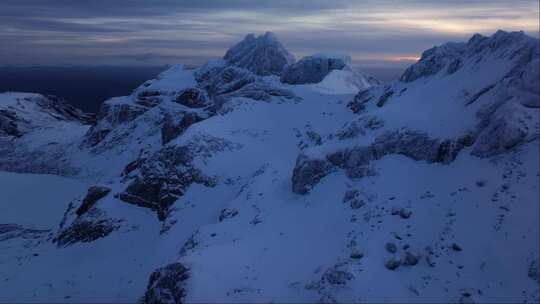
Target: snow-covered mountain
(260,179)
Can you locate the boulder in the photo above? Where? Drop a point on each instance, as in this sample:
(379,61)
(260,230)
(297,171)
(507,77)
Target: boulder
(392,264)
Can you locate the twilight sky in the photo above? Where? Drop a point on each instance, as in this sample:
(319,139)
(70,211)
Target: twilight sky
(144,32)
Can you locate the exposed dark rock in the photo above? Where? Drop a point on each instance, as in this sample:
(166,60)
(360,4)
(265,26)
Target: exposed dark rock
(167,285)
(227,214)
(148,93)
(312,69)
(132,166)
(336,276)
(392,264)
(405,213)
(434,60)
(534,271)
(62,110)
(263,55)
(9,124)
(388,92)
(190,244)
(418,146)
(359,127)
(402,212)
(501,129)
(356,160)
(356,254)
(193,98)
(476,96)
(410,259)
(332,280)
(357,203)
(466,298)
(456,247)
(307,173)
(350,195)
(11,231)
(92,225)
(224,80)
(49,107)
(94,194)
(454,66)
(391,247)
(360,101)
(260,90)
(111,115)
(161,179)
(95,136)
(173,127)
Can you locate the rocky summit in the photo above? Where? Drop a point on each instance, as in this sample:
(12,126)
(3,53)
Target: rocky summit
(263,55)
(258,178)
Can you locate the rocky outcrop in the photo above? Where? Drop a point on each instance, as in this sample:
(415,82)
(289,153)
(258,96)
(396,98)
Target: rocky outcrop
(163,178)
(227,213)
(359,102)
(260,90)
(356,160)
(111,114)
(12,231)
(497,133)
(450,57)
(193,98)
(332,280)
(225,82)
(313,69)
(359,127)
(534,270)
(221,80)
(263,55)
(92,225)
(308,172)
(24,112)
(502,127)
(167,285)
(174,126)
(94,194)
(52,159)
(9,124)
(61,110)
(434,60)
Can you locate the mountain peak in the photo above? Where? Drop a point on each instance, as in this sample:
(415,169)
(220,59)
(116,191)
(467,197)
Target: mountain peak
(263,55)
(453,54)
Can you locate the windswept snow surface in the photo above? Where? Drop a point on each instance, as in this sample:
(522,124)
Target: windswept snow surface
(201,169)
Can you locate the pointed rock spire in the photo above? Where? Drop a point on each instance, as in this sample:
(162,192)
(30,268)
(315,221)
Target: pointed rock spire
(263,55)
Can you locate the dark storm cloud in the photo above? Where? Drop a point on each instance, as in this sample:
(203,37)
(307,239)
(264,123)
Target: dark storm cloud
(166,31)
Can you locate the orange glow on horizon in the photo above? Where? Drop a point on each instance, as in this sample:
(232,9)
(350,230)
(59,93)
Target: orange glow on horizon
(403,58)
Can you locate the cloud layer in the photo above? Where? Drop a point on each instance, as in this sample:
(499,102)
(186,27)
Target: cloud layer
(384,32)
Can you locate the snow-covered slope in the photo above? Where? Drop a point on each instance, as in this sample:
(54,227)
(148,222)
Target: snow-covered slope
(225,184)
(36,131)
